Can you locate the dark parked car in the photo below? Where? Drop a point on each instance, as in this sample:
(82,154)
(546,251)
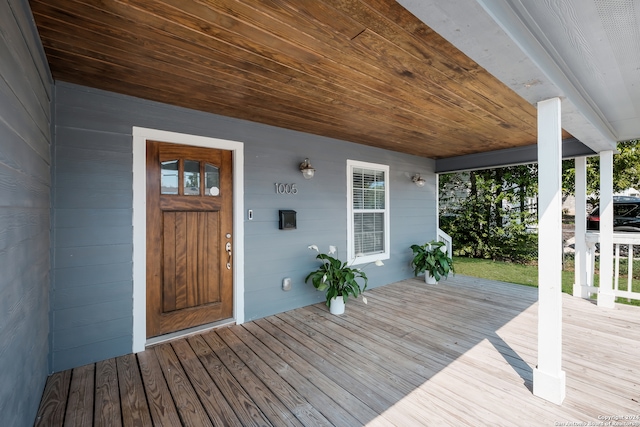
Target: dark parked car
(626,215)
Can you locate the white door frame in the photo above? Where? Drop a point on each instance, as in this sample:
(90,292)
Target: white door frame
(140,137)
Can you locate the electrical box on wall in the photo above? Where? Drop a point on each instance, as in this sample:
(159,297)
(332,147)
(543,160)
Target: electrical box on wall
(287,219)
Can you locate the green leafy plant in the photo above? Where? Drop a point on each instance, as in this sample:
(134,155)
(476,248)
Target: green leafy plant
(431,258)
(491,213)
(338,278)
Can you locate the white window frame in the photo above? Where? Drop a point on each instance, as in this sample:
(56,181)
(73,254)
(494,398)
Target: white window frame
(351,164)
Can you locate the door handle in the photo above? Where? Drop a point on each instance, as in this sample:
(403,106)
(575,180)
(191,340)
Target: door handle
(228,249)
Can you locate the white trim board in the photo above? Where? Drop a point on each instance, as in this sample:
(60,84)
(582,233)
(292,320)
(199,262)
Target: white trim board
(140,137)
(352,256)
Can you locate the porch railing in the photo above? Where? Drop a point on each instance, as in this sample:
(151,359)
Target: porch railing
(441,236)
(620,241)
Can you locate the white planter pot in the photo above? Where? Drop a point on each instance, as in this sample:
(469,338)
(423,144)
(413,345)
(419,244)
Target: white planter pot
(429,279)
(336,305)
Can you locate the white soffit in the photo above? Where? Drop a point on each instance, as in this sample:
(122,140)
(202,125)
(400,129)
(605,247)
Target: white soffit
(584,51)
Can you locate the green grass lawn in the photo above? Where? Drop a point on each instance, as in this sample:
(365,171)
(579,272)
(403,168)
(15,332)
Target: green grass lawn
(528,274)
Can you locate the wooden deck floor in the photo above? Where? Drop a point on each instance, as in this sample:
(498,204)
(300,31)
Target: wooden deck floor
(456,354)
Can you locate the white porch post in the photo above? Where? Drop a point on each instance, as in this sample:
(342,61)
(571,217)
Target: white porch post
(549,380)
(606,298)
(580,281)
(438,203)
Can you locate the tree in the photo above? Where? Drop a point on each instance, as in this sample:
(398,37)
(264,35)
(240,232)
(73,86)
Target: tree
(487,212)
(626,170)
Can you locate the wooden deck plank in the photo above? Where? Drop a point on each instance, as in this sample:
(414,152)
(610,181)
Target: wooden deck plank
(277,341)
(219,411)
(385,355)
(413,369)
(450,307)
(80,405)
(269,404)
(405,374)
(190,409)
(450,339)
(334,413)
(297,404)
(243,406)
(488,345)
(135,410)
(461,327)
(54,400)
(107,406)
(459,353)
(383,390)
(161,405)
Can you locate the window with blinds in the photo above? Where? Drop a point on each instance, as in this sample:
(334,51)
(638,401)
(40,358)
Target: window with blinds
(368,221)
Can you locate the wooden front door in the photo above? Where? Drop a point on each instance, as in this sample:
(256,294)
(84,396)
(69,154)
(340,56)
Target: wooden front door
(189,240)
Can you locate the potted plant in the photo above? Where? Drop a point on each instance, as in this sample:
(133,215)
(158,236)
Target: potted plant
(431,259)
(338,279)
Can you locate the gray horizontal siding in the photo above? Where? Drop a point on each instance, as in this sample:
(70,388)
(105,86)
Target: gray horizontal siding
(21,189)
(92,236)
(89,275)
(95,198)
(89,295)
(18,155)
(93,202)
(84,218)
(25,186)
(92,248)
(89,314)
(321,206)
(21,224)
(92,334)
(92,255)
(106,348)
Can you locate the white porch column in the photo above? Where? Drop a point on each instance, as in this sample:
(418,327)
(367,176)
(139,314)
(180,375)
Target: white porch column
(580,285)
(606,298)
(437,203)
(549,380)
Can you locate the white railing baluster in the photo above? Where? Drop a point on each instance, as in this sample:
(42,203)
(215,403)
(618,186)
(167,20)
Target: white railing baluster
(616,266)
(591,240)
(630,271)
(448,241)
(619,239)
(592,267)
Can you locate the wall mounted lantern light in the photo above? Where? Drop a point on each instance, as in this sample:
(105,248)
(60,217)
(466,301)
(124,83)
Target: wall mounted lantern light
(418,180)
(307,170)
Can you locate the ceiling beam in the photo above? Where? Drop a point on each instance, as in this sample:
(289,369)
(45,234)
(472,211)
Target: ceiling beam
(571,148)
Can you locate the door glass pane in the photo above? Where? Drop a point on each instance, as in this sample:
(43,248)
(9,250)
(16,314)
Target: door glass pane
(169,179)
(191,178)
(211,180)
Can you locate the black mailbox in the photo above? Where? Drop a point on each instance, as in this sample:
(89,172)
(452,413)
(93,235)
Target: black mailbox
(287,219)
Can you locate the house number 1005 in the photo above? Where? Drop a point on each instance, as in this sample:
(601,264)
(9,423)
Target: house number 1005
(285,188)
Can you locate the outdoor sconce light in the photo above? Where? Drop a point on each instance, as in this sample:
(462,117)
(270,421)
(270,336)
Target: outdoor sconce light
(307,170)
(418,180)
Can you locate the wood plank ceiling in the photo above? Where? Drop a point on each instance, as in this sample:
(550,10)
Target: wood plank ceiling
(365,71)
